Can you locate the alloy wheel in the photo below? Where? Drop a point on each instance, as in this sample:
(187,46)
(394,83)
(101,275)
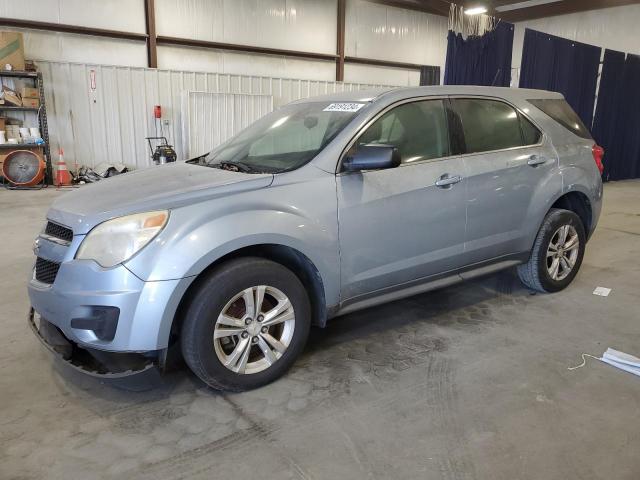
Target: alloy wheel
(254,329)
(562,252)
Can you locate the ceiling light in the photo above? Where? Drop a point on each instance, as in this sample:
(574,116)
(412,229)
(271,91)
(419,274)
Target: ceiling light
(525,4)
(475,10)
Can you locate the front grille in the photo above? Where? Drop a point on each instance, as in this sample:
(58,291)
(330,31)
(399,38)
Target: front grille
(46,271)
(58,231)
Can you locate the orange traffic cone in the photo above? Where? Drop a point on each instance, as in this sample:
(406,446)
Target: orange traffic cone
(63,177)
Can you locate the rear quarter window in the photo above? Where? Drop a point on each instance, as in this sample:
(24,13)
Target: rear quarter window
(561,112)
(530,134)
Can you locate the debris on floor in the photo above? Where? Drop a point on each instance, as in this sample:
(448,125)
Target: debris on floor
(106,170)
(602,291)
(615,358)
(622,360)
(102,170)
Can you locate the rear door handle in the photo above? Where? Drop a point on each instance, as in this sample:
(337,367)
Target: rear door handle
(535,160)
(446,181)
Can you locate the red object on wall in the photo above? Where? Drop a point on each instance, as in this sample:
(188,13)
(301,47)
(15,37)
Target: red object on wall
(157,111)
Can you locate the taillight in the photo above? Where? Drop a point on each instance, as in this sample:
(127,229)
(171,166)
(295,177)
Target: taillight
(598,153)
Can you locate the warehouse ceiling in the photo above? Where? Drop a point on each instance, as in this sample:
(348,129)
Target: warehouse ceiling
(511,10)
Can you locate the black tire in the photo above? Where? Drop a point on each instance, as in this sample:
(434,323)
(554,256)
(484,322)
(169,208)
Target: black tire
(534,274)
(208,301)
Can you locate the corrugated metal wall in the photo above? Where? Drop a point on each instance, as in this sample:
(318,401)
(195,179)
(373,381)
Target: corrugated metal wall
(372,31)
(101,113)
(212,118)
(383,32)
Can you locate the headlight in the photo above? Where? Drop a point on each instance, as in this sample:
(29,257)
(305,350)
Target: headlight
(117,240)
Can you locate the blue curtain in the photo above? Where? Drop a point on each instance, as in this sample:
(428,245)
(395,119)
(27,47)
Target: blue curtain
(480,60)
(605,129)
(627,143)
(616,125)
(561,65)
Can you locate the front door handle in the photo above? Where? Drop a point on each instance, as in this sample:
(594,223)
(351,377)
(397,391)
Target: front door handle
(446,181)
(535,160)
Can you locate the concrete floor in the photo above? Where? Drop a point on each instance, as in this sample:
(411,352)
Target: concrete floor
(470,382)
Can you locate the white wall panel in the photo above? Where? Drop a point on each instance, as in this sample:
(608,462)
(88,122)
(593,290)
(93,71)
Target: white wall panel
(615,28)
(125,15)
(213,118)
(390,33)
(372,31)
(110,123)
(67,47)
(31,10)
(207,60)
(188,58)
(195,19)
(305,25)
(274,66)
(384,75)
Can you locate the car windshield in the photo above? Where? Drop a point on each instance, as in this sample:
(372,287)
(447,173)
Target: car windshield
(285,139)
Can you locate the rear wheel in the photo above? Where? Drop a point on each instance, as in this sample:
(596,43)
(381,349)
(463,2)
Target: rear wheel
(557,252)
(246,324)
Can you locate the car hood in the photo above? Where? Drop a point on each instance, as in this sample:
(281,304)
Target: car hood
(161,187)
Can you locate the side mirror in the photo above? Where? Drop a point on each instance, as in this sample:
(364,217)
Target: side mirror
(372,157)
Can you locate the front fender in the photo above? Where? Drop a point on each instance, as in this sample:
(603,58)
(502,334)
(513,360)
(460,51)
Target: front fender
(198,235)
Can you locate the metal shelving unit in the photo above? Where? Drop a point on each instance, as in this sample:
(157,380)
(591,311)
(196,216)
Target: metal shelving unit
(16,146)
(11,107)
(41,113)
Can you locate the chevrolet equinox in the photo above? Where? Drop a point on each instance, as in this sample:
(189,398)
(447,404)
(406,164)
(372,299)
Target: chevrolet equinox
(325,206)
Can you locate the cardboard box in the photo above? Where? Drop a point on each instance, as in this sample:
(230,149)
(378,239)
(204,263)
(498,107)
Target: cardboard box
(29,92)
(10,97)
(11,50)
(3,155)
(31,102)
(3,123)
(12,131)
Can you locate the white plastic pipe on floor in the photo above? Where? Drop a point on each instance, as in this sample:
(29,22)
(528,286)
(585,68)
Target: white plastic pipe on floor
(622,360)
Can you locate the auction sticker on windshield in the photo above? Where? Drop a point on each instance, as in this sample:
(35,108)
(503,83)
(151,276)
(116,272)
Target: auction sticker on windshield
(344,107)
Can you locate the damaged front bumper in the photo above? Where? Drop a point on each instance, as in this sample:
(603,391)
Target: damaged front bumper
(133,371)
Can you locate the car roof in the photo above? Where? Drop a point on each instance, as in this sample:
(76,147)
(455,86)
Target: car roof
(400,93)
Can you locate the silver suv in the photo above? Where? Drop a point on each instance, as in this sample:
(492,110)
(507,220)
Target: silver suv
(326,206)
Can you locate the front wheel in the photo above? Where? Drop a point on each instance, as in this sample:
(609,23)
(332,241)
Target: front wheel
(246,324)
(557,253)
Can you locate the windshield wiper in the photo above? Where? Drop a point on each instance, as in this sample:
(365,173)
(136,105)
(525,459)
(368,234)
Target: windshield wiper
(234,166)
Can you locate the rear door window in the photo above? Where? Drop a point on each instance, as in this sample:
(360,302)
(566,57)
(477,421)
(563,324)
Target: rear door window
(490,125)
(561,112)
